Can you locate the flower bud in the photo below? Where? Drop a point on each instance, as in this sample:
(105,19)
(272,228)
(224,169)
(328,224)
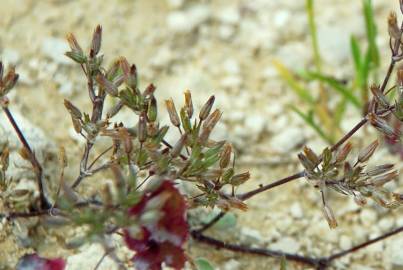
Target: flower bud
(328,213)
(205,110)
(393,28)
(188,103)
(173,115)
(96,41)
(225,156)
(367,152)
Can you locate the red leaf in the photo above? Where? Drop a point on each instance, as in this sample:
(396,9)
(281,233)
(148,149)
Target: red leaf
(34,262)
(161,241)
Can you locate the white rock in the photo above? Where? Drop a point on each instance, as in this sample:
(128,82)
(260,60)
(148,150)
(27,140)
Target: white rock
(334,44)
(255,124)
(286,244)
(250,235)
(287,140)
(175,3)
(229,15)
(9,57)
(88,259)
(281,18)
(231,66)
(54,48)
(226,32)
(345,242)
(395,250)
(232,265)
(162,58)
(368,217)
(183,22)
(296,210)
(231,82)
(386,224)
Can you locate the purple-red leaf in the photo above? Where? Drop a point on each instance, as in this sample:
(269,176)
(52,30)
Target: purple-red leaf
(162,240)
(34,262)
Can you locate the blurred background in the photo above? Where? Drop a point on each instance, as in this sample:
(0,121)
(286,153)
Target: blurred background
(227,48)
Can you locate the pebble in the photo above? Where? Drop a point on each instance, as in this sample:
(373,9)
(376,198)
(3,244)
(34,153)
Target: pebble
(255,124)
(395,249)
(54,48)
(334,44)
(296,210)
(232,265)
(345,242)
(286,244)
(226,32)
(229,15)
(281,19)
(88,258)
(10,56)
(183,22)
(250,236)
(287,140)
(368,217)
(176,4)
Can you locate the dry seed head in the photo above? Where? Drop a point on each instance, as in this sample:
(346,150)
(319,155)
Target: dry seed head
(185,120)
(331,220)
(381,125)
(188,103)
(225,156)
(142,128)
(205,110)
(212,119)
(360,200)
(400,77)
(152,110)
(96,41)
(343,153)
(73,43)
(176,150)
(124,65)
(110,88)
(379,96)
(73,110)
(77,125)
(306,163)
(239,179)
(380,180)
(367,152)
(1,72)
(9,81)
(310,154)
(149,91)
(393,28)
(4,159)
(173,114)
(380,169)
(62,157)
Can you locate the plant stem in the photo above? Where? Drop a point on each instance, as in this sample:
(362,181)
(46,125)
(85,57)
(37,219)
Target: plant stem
(45,204)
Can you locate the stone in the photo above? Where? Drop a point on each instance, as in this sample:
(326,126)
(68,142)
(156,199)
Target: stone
(296,211)
(255,124)
(229,15)
(281,19)
(345,242)
(232,264)
(286,244)
(287,139)
(368,217)
(88,258)
(10,57)
(250,236)
(54,49)
(395,251)
(176,4)
(183,22)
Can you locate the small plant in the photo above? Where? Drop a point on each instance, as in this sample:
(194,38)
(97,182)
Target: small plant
(323,117)
(145,203)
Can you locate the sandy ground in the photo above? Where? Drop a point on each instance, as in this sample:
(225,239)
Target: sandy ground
(224,48)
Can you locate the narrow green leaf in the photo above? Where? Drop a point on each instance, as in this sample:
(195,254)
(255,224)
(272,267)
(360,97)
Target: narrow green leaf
(356,53)
(203,264)
(308,119)
(339,111)
(312,30)
(283,263)
(371,31)
(288,77)
(336,85)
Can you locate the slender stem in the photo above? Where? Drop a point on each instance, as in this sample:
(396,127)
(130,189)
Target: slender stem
(257,251)
(280,182)
(365,244)
(45,204)
(211,222)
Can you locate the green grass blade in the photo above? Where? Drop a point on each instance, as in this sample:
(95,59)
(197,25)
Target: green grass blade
(314,38)
(308,119)
(283,263)
(356,53)
(339,111)
(371,31)
(288,77)
(337,86)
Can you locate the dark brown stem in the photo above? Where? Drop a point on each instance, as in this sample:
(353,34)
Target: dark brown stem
(45,204)
(211,222)
(365,244)
(257,251)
